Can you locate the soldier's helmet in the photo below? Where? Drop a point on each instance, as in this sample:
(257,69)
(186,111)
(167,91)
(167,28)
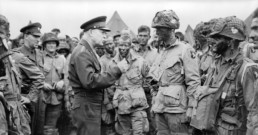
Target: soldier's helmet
(64,46)
(166,19)
(47,37)
(231,27)
(202,32)
(4,25)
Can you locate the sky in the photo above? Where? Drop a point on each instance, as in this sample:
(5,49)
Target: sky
(68,15)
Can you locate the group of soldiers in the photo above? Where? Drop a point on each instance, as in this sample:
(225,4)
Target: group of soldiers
(127,85)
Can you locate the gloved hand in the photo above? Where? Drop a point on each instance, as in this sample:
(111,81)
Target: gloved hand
(59,86)
(123,65)
(48,87)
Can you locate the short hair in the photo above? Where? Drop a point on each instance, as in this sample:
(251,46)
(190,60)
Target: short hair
(179,35)
(144,28)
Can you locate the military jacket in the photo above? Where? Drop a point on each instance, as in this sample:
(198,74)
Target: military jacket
(129,96)
(31,76)
(176,69)
(35,55)
(54,72)
(149,54)
(238,92)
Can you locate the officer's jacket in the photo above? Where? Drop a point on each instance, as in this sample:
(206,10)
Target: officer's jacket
(31,76)
(129,96)
(239,90)
(36,56)
(68,89)
(85,72)
(105,60)
(177,71)
(54,72)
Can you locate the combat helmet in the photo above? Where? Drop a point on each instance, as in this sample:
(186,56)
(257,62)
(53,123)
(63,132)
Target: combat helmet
(166,19)
(231,27)
(47,37)
(4,25)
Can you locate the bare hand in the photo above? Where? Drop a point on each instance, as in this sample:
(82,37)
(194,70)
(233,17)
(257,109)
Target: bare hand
(47,87)
(60,85)
(68,106)
(25,100)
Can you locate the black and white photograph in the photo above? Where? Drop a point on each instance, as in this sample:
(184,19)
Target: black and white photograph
(128,67)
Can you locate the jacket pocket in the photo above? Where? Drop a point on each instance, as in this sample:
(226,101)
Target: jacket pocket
(134,75)
(138,97)
(172,95)
(174,68)
(124,103)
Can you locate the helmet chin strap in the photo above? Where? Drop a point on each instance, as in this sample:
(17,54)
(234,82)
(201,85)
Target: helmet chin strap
(232,45)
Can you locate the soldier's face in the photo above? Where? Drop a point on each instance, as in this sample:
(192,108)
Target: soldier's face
(51,46)
(32,40)
(98,36)
(163,33)
(100,51)
(124,49)
(116,39)
(143,37)
(253,37)
(110,47)
(220,45)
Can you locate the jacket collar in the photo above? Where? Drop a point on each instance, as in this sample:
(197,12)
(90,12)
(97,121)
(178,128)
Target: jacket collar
(130,58)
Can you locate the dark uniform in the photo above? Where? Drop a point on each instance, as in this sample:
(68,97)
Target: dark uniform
(36,57)
(88,82)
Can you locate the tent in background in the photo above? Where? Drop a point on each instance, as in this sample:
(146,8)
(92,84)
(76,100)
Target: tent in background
(189,35)
(116,24)
(248,22)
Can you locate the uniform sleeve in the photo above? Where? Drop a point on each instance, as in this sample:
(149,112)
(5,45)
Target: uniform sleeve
(250,92)
(89,78)
(68,89)
(191,72)
(32,72)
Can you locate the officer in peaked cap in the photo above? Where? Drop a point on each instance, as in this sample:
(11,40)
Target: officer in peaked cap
(96,23)
(32,28)
(87,78)
(32,35)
